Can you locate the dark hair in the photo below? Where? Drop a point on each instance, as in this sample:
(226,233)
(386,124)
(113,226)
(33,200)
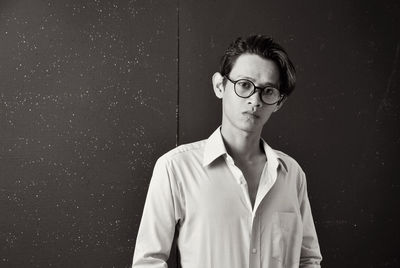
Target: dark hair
(266,48)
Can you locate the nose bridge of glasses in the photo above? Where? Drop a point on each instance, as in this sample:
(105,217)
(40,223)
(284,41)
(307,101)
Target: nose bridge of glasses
(257,93)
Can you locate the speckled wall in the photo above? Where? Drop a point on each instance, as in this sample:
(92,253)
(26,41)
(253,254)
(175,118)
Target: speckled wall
(88,101)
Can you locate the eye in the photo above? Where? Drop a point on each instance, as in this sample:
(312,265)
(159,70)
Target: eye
(245,84)
(269,91)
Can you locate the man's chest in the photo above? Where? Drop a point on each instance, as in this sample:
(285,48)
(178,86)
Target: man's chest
(221,193)
(252,174)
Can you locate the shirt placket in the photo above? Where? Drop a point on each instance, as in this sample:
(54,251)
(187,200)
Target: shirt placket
(255,244)
(254,224)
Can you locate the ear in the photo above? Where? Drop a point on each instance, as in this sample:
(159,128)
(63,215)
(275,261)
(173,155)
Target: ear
(218,85)
(280,104)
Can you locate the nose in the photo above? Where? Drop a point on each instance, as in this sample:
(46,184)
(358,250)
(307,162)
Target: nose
(255,99)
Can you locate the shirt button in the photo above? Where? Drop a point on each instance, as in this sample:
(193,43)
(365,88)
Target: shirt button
(254,251)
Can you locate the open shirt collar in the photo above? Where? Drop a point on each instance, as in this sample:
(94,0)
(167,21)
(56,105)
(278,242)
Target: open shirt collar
(215,148)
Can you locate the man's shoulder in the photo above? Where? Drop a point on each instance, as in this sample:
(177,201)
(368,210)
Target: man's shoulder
(185,151)
(290,163)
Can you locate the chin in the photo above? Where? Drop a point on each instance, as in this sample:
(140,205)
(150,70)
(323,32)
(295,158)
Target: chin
(250,128)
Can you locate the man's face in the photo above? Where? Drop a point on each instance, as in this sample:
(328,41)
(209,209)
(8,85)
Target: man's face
(247,114)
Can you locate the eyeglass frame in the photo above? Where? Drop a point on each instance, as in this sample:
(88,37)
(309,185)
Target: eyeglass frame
(282,96)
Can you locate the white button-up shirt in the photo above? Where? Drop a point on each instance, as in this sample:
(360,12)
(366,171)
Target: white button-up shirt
(198,187)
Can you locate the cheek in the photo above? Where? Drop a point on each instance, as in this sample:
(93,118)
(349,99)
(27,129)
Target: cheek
(228,107)
(268,111)
(229,101)
(270,108)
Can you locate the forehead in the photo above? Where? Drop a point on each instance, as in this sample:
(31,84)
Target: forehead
(253,66)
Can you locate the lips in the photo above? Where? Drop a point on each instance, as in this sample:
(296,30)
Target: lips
(251,114)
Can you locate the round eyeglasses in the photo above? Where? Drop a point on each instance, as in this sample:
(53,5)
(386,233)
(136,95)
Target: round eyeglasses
(245,88)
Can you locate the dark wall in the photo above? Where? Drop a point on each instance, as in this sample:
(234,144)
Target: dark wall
(88,98)
(87,104)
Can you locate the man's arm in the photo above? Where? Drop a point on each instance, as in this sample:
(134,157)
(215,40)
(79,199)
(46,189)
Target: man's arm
(160,215)
(310,252)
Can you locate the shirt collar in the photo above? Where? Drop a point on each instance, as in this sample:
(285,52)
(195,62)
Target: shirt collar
(215,148)
(274,159)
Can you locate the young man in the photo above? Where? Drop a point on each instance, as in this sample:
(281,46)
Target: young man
(237,202)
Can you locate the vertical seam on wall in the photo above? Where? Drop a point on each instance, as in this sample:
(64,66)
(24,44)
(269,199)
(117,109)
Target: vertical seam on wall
(177,77)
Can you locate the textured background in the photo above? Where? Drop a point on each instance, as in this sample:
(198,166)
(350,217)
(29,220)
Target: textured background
(88,96)
(89,92)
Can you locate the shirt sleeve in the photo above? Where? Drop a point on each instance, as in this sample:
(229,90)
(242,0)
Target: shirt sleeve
(310,256)
(159,218)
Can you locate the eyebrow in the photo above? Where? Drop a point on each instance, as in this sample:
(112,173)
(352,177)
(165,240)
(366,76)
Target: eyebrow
(261,86)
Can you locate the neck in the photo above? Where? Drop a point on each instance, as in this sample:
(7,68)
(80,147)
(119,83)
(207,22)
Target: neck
(242,145)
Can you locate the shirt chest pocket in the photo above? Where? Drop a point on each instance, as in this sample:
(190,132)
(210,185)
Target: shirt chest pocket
(286,238)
